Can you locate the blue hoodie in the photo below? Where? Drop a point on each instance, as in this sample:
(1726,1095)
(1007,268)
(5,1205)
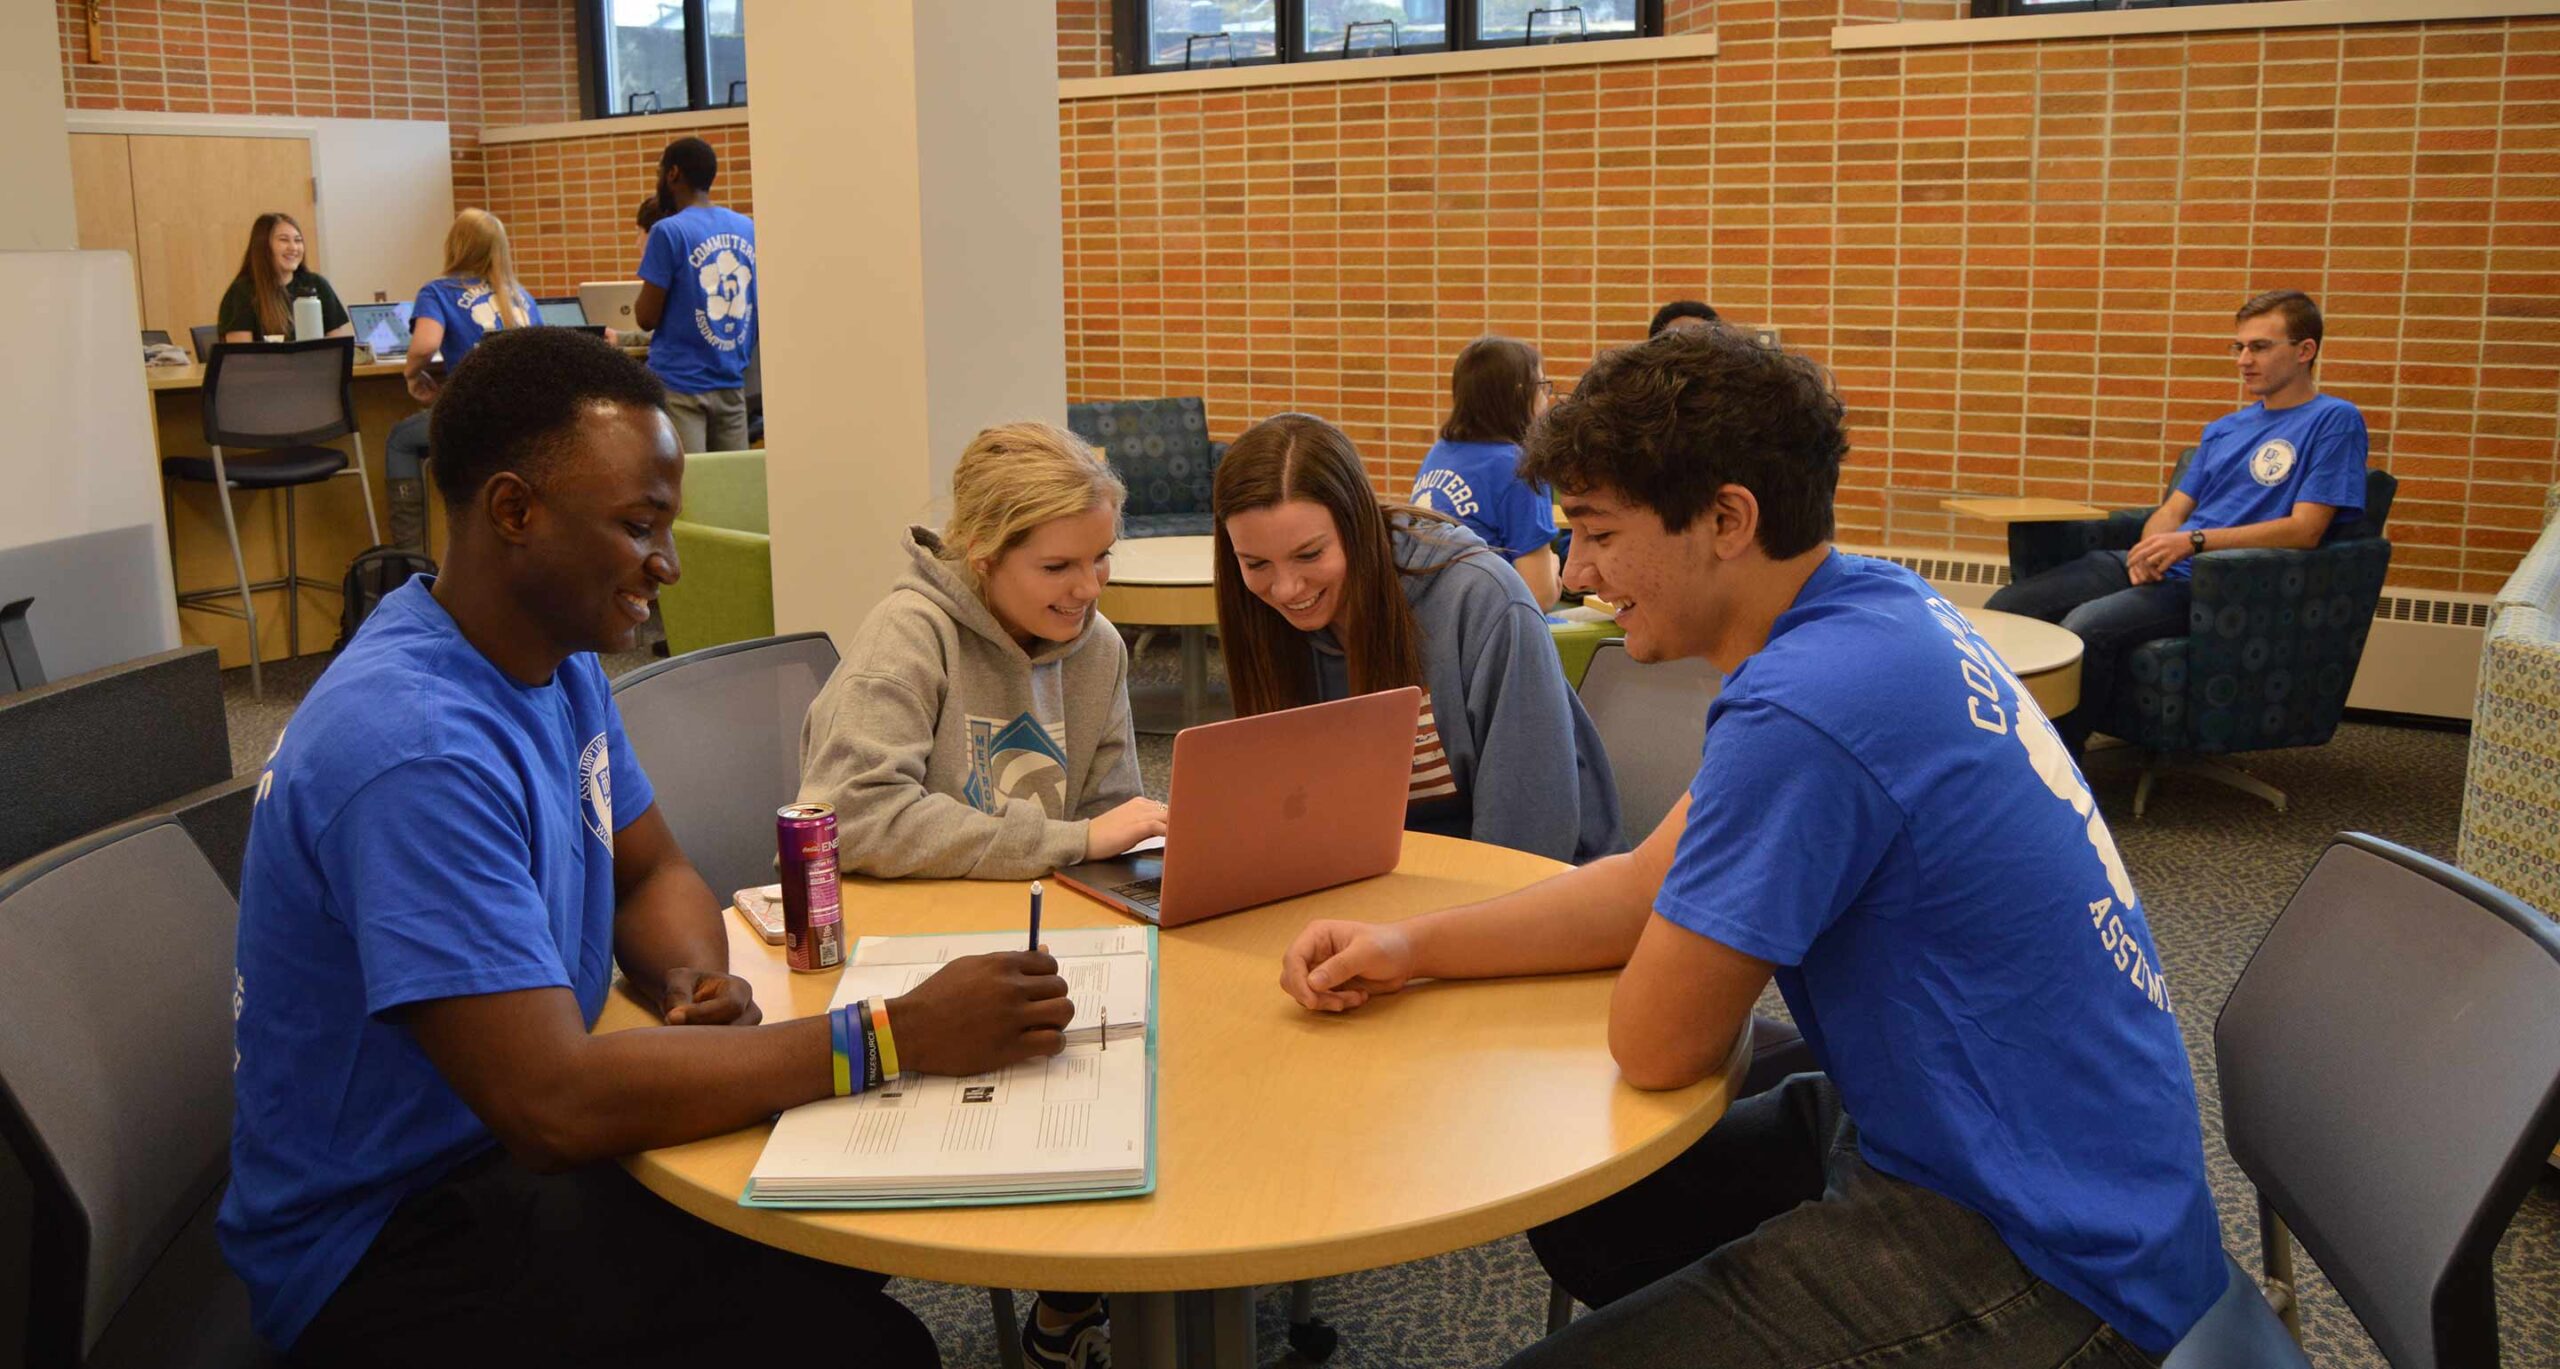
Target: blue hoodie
(1530,771)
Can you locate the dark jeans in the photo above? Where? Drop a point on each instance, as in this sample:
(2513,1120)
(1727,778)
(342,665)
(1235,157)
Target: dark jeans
(1771,1243)
(496,1264)
(2098,600)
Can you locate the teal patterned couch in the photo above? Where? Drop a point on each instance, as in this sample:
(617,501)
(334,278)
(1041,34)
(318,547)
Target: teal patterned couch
(1161,449)
(2511,791)
(2272,645)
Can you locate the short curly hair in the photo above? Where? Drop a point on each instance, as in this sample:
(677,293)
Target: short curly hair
(1668,422)
(515,401)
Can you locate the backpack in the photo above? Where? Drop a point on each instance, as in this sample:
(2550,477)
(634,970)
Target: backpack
(373,574)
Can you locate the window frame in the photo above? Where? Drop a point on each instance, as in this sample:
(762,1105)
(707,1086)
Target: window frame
(595,37)
(2012,9)
(1131,41)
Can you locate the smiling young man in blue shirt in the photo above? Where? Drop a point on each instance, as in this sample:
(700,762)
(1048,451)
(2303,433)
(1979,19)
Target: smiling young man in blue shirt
(2000,1162)
(2287,471)
(454,847)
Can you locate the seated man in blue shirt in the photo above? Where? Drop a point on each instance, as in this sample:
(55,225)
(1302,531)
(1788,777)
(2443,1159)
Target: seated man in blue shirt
(2285,472)
(2000,1162)
(453,848)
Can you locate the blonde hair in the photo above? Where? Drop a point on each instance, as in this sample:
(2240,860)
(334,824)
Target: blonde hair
(476,248)
(1016,476)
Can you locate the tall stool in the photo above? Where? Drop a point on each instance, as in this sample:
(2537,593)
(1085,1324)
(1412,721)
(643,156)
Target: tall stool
(279,400)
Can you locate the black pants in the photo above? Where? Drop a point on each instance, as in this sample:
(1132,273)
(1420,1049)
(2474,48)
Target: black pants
(497,1265)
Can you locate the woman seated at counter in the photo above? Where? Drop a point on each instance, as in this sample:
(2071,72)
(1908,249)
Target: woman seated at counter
(259,304)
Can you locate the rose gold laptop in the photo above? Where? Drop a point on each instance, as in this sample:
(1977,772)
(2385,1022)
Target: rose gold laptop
(1270,807)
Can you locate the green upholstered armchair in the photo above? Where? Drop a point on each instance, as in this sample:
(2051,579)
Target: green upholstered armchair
(726,593)
(2273,640)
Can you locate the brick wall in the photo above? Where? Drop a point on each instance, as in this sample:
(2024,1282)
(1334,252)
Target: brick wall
(471,63)
(1084,38)
(2019,259)
(567,202)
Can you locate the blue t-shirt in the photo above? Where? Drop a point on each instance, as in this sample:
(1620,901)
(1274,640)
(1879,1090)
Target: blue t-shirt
(1479,484)
(1956,935)
(2255,465)
(705,259)
(468,309)
(427,828)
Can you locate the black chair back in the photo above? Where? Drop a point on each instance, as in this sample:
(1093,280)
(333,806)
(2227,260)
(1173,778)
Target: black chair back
(115,1064)
(2390,1065)
(280,394)
(718,730)
(99,747)
(206,337)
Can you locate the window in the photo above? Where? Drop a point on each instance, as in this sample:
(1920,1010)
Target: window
(661,56)
(1175,35)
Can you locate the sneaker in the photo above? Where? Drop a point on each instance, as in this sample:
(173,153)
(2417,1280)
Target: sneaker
(1085,1344)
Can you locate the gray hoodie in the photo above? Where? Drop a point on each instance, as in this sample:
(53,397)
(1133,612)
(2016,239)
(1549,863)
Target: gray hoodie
(1529,767)
(948,751)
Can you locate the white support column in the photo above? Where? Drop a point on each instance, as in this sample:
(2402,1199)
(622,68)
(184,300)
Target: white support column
(911,270)
(35,143)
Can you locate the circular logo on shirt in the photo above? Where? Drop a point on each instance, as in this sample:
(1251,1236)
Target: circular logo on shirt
(724,267)
(485,312)
(595,789)
(2273,462)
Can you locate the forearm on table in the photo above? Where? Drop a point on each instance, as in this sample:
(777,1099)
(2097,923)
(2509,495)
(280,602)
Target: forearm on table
(620,1093)
(671,921)
(1587,918)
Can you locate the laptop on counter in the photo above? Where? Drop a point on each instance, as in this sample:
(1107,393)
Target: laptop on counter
(561,311)
(382,329)
(1271,807)
(607,303)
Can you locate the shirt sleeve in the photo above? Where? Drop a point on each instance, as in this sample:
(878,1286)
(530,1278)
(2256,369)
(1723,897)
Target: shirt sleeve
(1529,519)
(440,907)
(236,314)
(2191,484)
(1785,827)
(2335,463)
(658,259)
(633,794)
(333,315)
(430,305)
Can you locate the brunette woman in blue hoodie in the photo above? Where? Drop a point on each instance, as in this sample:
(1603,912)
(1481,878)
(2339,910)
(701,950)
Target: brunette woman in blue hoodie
(1325,592)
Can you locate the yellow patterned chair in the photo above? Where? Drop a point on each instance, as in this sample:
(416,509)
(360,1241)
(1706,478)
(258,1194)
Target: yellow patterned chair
(2511,792)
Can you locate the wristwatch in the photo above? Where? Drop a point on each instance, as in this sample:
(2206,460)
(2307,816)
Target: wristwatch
(2196,539)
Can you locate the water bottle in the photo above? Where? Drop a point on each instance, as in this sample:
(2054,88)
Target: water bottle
(306,315)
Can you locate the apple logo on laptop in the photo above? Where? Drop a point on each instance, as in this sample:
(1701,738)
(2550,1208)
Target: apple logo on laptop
(1294,807)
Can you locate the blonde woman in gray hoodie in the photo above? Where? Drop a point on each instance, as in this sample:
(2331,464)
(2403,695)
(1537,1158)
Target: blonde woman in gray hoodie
(978,726)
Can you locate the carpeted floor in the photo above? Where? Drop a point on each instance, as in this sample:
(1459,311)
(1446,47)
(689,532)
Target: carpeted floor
(2214,867)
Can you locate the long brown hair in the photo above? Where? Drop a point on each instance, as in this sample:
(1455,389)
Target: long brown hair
(475,248)
(1493,391)
(266,288)
(1269,664)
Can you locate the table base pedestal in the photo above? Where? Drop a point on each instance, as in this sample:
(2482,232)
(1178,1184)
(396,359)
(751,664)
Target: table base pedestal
(1161,710)
(1202,1330)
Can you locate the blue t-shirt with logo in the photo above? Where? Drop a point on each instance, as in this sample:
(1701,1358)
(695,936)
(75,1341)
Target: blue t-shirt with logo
(1479,484)
(705,259)
(1956,934)
(468,309)
(427,828)
(2255,465)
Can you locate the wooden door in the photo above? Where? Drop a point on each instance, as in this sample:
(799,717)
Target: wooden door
(194,199)
(102,197)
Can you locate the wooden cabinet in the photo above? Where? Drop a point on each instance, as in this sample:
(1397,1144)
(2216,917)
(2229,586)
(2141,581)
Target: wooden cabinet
(182,206)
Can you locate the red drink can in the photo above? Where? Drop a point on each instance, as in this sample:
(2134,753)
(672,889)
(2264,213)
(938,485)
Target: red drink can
(812,898)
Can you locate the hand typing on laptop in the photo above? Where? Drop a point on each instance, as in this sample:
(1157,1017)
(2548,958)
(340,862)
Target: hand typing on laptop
(1138,820)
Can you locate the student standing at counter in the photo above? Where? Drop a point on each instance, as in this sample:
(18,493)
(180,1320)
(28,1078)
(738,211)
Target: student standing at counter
(259,303)
(698,299)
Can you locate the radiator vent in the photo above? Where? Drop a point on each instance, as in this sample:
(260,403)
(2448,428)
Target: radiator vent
(1951,570)
(2404,608)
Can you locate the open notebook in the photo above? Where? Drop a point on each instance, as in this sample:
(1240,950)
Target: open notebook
(1080,1124)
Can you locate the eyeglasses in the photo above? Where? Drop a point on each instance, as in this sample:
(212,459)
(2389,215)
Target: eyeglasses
(1546,387)
(2256,348)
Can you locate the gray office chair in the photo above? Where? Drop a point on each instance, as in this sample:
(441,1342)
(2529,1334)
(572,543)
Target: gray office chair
(1652,721)
(280,399)
(217,821)
(206,337)
(718,730)
(115,1098)
(2390,1065)
(97,748)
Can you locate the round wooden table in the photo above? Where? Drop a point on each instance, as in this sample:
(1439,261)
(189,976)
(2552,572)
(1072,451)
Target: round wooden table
(1166,582)
(1289,1144)
(2044,656)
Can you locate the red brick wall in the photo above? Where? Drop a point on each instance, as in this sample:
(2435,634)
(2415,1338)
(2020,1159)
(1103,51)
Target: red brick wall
(2019,259)
(1084,38)
(491,63)
(567,202)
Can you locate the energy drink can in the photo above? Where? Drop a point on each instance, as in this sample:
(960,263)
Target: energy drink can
(812,899)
